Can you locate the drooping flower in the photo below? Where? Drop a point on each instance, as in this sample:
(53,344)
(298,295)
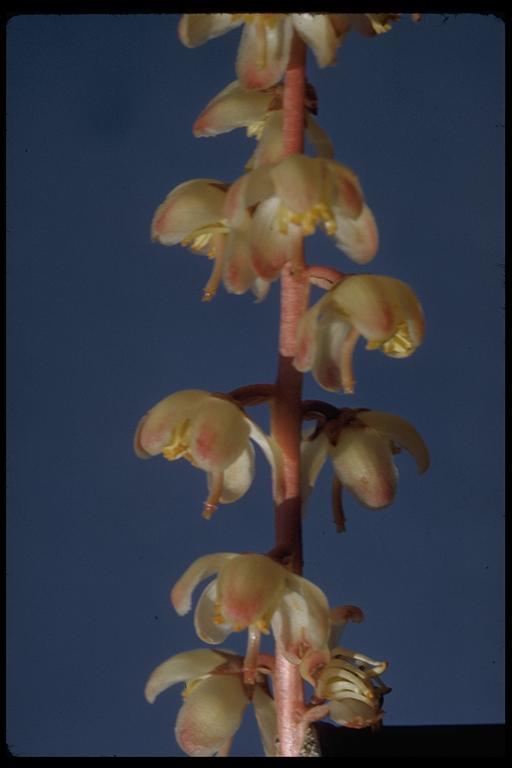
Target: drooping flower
(361,445)
(382,309)
(261,113)
(215,700)
(292,197)
(254,592)
(265,45)
(349,682)
(193,214)
(213,434)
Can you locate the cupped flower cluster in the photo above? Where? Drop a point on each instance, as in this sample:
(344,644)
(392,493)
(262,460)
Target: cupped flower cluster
(252,228)
(348,681)
(252,591)
(215,699)
(213,434)
(361,445)
(384,310)
(265,46)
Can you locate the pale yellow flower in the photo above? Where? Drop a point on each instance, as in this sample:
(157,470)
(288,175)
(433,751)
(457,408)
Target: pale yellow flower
(361,445)
(293,197)
(215,699)
(253,591)
(193,214)
(385,311)
(214,435)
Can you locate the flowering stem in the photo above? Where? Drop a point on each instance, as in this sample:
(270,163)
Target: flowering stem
(286,417)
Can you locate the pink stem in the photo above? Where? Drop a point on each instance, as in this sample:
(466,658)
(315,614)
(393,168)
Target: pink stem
(286,418)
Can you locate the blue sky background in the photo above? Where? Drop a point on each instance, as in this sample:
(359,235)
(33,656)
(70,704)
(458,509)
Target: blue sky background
(102,324)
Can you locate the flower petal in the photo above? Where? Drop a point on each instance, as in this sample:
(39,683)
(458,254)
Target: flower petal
(208,629)
(238,274)
(399,431)
(249,588)
(264,51)
(369,304)
(188,207)
(307,338)
(247,191)
(270,248)
(270,145)
(354,713)
(234,107)
(211,715)
(312,457)
(301,621)
(318,138)
(317,32)
(331,332)
(274,456)
(265,712)
(218,434)
(237,478)
(154,430)
(363,461)
(200,569)
(345,190)
(182,666)
(358,238)
(298,181)
(196,28)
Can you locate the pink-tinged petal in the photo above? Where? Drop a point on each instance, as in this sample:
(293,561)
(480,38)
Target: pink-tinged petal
(270,248)
(155,429)
(202,568)
(218,435)
(208,626)
(211,715)
(368,304)
(264,51)
(237,478)
(318,138)
(298,182)
(354,712)
(331,333)
(312,457)
(307,339)
(317,32)
(265,712)
(237,272)
(317,631)
(312,662)
(247,191)
(249,588)
(234,107)
(182,666)
(363,461)
(188,207)
(400,432)
(196,28)
(358,238)
(270,145)
(345,190)
(301,621)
